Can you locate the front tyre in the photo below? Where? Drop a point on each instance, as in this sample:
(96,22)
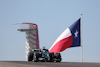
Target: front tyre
(51,57)
(36,57)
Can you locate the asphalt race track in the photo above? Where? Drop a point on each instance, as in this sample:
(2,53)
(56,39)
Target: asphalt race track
(46,64)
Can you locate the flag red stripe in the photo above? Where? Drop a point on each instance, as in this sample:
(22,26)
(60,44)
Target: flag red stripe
(62,45)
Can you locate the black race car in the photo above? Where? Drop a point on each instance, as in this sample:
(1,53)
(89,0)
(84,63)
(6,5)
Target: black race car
(44,56)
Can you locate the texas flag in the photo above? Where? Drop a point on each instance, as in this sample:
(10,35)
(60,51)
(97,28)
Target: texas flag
(71,37)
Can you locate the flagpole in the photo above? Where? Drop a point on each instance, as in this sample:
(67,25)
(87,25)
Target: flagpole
(81,41)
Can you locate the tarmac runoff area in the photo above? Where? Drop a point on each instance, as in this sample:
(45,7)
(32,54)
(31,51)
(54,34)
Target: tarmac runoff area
(46,64)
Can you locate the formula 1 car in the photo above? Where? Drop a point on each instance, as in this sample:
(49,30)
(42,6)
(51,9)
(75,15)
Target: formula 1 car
(44,56)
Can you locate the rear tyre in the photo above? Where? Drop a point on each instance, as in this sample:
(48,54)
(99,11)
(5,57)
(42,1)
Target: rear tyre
(58,60)
(30,56)
(58,57)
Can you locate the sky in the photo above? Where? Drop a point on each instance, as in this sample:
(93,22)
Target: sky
(52,18)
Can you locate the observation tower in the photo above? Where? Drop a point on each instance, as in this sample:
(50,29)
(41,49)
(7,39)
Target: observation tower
(32,38)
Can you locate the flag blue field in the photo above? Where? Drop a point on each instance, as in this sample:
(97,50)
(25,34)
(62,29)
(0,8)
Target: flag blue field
(76,33)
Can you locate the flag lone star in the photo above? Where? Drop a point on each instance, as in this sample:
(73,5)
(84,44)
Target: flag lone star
(76,33)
